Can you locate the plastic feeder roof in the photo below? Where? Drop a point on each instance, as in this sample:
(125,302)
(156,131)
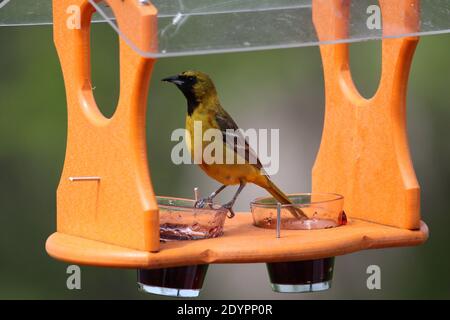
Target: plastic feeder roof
(188,27)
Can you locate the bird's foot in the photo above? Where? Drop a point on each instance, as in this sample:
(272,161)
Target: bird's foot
(229,207)
(204,202)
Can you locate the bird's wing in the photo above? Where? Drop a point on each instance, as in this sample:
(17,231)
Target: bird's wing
(233,137)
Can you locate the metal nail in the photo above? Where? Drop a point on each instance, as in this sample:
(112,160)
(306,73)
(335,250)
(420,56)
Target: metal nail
(196,194)
(74,179)
(278,220)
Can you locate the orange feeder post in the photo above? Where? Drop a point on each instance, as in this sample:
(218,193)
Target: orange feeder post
(107,211)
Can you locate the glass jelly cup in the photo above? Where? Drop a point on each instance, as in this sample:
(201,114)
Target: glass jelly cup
(322,211)
(180,220)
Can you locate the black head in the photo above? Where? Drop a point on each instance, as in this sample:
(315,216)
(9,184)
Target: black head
(183,82)
(194,85)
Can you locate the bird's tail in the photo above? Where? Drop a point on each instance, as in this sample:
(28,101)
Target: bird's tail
(283,199)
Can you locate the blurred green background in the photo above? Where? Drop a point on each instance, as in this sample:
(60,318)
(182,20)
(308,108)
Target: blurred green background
(273,89)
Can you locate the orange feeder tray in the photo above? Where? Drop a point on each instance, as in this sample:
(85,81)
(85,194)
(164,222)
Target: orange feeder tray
(107,214)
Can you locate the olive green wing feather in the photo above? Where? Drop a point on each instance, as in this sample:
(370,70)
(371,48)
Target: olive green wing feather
(233,137)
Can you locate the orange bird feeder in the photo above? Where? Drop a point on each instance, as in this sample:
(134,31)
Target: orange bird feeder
(107,213)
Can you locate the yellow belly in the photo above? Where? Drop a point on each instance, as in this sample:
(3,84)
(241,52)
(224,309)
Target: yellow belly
(230,174)
(227,174)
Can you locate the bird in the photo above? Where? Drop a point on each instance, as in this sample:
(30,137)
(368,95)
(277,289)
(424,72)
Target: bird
(203,105)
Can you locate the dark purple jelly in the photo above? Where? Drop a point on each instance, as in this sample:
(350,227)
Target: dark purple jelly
(187,277)
(301,272)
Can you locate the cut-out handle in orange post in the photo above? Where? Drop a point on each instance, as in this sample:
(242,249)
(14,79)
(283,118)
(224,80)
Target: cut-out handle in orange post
(105,193)
(364,153)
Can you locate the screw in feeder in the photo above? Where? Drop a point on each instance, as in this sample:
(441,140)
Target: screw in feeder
(278,220)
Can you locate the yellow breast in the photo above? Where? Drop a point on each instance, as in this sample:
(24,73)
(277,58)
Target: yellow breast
(221,171)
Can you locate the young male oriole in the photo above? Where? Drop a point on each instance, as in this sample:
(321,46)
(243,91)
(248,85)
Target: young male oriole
(203,105)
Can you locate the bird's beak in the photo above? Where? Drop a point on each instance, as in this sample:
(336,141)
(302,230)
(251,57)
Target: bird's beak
(174,79)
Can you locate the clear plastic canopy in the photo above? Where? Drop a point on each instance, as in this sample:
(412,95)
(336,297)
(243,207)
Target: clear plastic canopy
(187,27)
